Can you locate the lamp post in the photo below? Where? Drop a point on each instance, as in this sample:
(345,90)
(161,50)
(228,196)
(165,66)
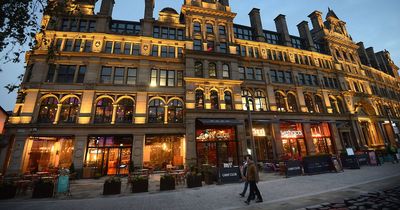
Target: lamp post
(250,121)
(388,113)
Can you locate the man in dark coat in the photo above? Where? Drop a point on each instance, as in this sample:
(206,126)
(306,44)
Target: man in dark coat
(252,178)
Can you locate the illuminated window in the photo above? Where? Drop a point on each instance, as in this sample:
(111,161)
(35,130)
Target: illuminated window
(104,109)
(212,70)
(48,110)
(280,102)
(69,110)
(175,111)
(199,99)
(156,111)
(225,71)
(260,101)
(292,103)
(125,111)
(228,100)
(247,100)
(214,99)
(198,69)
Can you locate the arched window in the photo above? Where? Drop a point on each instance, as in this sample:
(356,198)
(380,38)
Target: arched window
(338,54)
(280,102)
(228,100)
(246,96)
(199,99)
(198,69)
(214,99)
(125,111)
(225,71)
(319,104)
(212,70)
(292,102)
(334,105)
(48,110)
(104,109)
(210,28)
(309,103)
(175,111)
(69,110)
(196,27)
(341,106)
(156,111)
(261,101)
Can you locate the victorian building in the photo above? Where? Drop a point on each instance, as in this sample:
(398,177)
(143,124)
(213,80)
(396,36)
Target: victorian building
(175,90)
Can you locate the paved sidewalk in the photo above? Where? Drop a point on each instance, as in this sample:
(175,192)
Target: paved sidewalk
(275,192)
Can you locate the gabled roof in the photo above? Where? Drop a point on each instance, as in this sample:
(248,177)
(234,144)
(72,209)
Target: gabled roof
(331,13)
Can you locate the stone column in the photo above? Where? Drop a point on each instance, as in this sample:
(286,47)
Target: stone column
(335,137)
(114,114)
(57,118)
(242,138)
(191,157)
(138,149)
(18,154)
(271,98)
(166,114)
(79,151)
(278,139)
(300,97)
(308,139)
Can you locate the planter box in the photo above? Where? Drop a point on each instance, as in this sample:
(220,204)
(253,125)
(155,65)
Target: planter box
(43,189)
(7,191)
(141,185)
(293,168)
(167,183)
(317,164)
(209,178)
(112,188)
(193,181)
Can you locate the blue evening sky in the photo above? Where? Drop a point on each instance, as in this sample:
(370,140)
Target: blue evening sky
(376,23)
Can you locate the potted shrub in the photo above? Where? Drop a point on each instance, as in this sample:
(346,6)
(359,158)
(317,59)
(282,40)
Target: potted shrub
(112,186)
(8,190)
(140,184)
(43,189)
(208,174)
(167,182)
(193,178)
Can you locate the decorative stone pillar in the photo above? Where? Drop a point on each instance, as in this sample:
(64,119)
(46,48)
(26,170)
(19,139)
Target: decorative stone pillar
(57,118)
(286,103)
(79,151)
(138,149)
(335,137)
(241,136)
(114,114)
(278,139)
(166,114)
(308,138)
(190,139)
(17,154)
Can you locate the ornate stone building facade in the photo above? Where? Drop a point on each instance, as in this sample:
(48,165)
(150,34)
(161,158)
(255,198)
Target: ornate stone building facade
(176,90)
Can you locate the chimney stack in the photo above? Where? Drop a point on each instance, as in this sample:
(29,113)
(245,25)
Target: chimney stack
(316,20)
(282,29)
(224,2)
(256,24)
(372,57)
(149,9)
(107,7)
(363,54)
(305,34)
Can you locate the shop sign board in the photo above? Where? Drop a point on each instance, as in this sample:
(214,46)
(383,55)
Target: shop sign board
(291,134)
(293,168)
(317,164)
(259,132)
(229,175)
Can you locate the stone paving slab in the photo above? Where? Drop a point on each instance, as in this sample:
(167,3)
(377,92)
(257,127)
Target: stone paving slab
(278,191)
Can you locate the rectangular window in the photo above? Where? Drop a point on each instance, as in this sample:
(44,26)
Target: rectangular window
(74,25)
(130,29)
(250,73)
(171,52)
(180,52)
(65,25)
(164,51)
(172,33)
(77,45)
(197,45)
(136,49)
(210,46)
(335,83)
(88,46)
(308,80)
(119,75)
(243,51)
(179,77)
(209,28)
(131,77)
(68,45)
(66,74)
(301,79)
(222,31)
(117,48)
(83,25)
(223,47)
(259,74)
(288,77)
(92,26)
(314,80)
(281,77)
(59,45)
(105,75)
(171,78)
(108,47)
(81,74)
(257,53)
(156,32)
(50,73)
(127,48)
(153,79)
(164,33)
(154,51)
(163,78)
(180,34)
(241,73)
(251,52)
(274,76)
(326,82)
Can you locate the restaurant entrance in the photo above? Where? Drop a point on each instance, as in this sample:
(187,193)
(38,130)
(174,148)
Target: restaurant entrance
(294,146)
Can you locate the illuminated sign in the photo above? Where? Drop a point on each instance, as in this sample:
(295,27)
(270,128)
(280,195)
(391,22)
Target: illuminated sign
(291,134)
(260,132)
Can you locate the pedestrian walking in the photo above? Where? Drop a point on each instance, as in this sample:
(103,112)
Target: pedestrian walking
(244,173)
(252,178)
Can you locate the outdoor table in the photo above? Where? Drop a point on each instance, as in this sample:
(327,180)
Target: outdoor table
(22,186)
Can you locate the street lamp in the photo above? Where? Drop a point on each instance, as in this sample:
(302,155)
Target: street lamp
(250,121)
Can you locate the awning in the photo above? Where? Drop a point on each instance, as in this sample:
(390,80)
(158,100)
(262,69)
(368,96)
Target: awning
(220,122)
(264,122)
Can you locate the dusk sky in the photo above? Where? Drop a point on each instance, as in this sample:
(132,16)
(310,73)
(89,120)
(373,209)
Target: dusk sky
(376,23)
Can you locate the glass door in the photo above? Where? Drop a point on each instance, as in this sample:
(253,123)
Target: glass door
(113,160)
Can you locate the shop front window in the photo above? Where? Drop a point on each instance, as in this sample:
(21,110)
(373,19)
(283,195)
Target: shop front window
(175,111)
(69,110)
(125,111)
(163,152)
(263,143)
(214,99)
(109,155)
(48,154)
(104,109)
(156,111)
(199,99)
(294,146)
(216,146)
(322,138)
(48,110)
